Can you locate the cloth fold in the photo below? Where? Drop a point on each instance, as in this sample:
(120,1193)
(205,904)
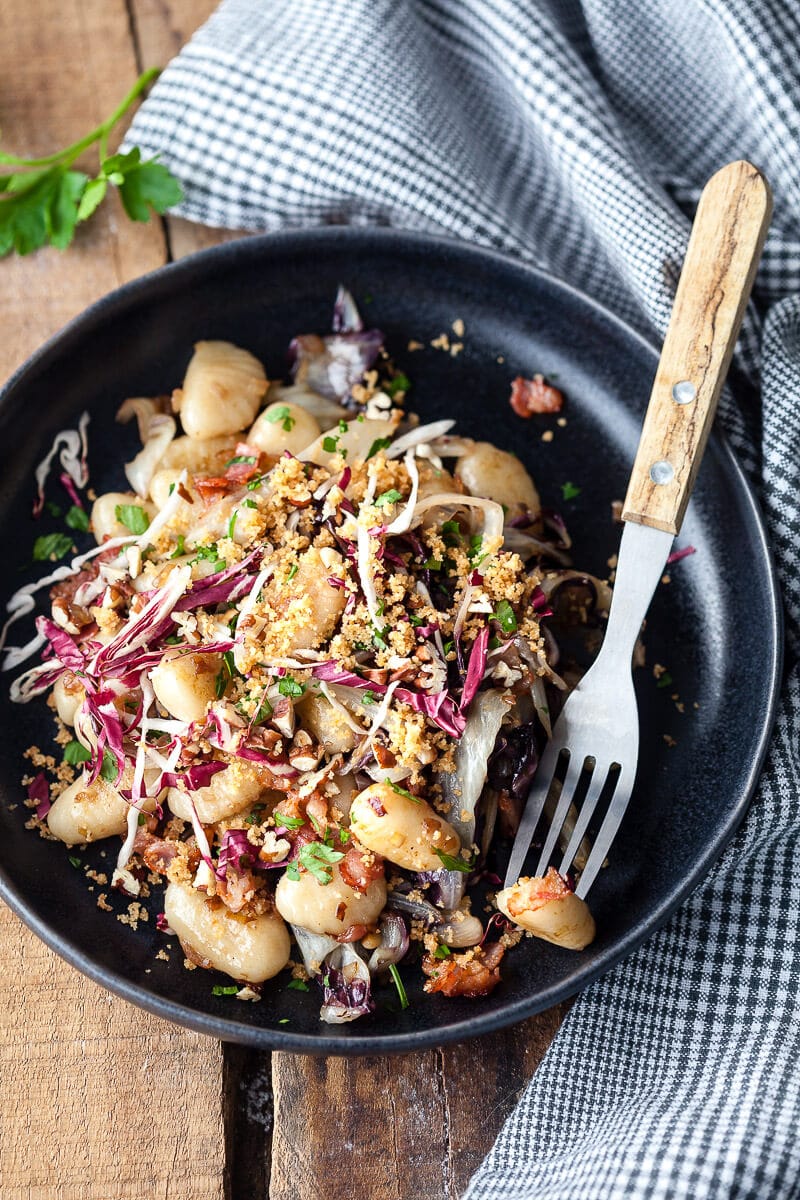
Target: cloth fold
(576,136)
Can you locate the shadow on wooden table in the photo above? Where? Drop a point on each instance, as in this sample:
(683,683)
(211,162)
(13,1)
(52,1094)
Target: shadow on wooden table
(405,1127)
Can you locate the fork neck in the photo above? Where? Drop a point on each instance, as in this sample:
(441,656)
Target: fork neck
(643,553)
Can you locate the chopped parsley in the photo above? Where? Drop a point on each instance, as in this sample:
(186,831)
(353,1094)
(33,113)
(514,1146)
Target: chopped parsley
(317,859)
(180,547)
(53,509)
(398,983)
(378,444)
(284,821)
(76,862)
(232,522)
(283,1021)
(51,546)
(451,533)
(109,770)
(433,564)
(504,615)
(298,985)
(343,426)
(75,753)
(264,712)
(569,491)
(132,516)
(222,989)
(240,458)
(475,548)
(664,680)
(400,383)
(441,952)
(452,864)
(290,687)
(369,697)
(401,791)
(77,518)
(255,483)
(292,573)
(248,503)
(329,444)
(390,497)
(282,414)
(379,638)
(209,554)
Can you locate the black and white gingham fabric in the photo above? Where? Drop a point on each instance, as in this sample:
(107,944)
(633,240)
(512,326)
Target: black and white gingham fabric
(577,136)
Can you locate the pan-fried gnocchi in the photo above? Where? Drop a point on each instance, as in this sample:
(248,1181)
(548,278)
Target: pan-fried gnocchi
(303,679)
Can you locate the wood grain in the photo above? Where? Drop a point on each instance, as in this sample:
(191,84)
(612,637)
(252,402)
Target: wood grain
(84,1074)
(717,277)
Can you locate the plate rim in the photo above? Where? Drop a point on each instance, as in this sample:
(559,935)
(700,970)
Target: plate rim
(228,1029)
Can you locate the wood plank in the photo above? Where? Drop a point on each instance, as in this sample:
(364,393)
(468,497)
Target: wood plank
(81,1068)
(86,1086)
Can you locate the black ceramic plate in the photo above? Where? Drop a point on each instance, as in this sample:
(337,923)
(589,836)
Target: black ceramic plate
(716,626)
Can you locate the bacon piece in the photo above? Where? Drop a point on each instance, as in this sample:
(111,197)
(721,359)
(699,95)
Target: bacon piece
(354,933)
(359,870)
(475,973)
(211,487)
(529,396)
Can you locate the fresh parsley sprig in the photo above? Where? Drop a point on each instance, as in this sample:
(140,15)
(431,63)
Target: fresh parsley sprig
(42,200)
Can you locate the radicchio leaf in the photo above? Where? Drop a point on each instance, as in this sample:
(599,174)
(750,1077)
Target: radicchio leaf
(476,668)
(439,706)
(39,790)
(346,987)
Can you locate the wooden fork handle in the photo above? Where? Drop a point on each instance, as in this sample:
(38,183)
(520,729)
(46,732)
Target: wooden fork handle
(718,271)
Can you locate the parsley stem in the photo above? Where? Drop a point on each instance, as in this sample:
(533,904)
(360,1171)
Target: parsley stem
(70,153)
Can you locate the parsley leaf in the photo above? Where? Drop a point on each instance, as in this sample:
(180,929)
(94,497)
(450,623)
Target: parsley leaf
(378,444)
(180,547)
(51,546)
(280,413)
(441,952)
(401,791)
(452,864)
(390,497)
(284,821)
(44,199)
(220,989)
(664,680)
(569,491)
(298,985)
(75,753)
(317,859)
(400,383)
(77,518)
(329,444)
(132,516)
(504,614)
(290,687)
(109,770)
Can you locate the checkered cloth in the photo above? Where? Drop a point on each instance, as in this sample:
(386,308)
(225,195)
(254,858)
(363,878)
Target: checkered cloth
(576,136)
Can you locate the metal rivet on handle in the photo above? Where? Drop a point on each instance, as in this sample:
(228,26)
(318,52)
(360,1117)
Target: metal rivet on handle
(662,471)
(683,392)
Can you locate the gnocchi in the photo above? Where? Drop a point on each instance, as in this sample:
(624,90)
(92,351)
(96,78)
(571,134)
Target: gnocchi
(403,829)
(251,949)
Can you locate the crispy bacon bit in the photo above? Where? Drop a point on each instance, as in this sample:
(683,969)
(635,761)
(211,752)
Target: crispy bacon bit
(529,396)
(354,933)
(65,589)
(185,494)
(374,802)
(211,487)
(238,889)
(475,973)
(243,472)
(383,756)
(359,870)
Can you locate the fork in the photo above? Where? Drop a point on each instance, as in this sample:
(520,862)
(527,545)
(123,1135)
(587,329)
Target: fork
(598,729)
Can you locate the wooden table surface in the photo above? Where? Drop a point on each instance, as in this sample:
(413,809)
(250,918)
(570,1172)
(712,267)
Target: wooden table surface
(99,1100)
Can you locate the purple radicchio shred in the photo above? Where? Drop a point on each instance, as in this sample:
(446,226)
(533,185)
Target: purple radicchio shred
(107,723)
(39,790)
(331,366)
(195,777)
(68,485)
(236,853)
(63,646)
(346,317)
(553,521)
(162,924)
(523,521)
(439,706)
(394,942)
(444,888)
(677,555)
(513,762)
(540,603)
(476,668)
(343,998)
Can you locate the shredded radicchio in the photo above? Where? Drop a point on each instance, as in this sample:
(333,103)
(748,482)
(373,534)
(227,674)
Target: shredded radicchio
(439,706)
(39,790)
(198,776)
(346,987)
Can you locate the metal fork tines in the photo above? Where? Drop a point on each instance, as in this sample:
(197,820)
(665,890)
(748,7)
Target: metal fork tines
(598,727)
